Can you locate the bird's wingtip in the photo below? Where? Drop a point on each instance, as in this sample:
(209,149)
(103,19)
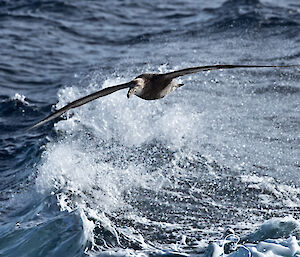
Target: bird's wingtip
(33,127)
(40,123)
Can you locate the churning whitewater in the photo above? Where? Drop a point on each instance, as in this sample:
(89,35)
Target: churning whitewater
(209,170)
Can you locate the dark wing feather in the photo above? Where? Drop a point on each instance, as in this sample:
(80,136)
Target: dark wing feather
(83,100)
(187,71)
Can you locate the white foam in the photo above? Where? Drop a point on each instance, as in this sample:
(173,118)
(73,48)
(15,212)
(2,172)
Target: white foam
(277,193)
(88,228)
(20,98)
(90,168)
(266,244)
(133,121)
(82,175)
(94,163)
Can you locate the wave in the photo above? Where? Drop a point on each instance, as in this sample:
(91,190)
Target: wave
(127,177)
(231,16)
(125,165)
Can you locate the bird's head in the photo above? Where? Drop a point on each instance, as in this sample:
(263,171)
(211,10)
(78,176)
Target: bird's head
(137,86)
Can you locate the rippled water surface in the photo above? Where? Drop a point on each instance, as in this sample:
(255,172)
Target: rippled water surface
(119,177)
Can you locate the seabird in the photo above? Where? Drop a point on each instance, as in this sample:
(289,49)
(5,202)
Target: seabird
(149,86)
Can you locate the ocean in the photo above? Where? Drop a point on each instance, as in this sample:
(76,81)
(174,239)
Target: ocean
(211,170)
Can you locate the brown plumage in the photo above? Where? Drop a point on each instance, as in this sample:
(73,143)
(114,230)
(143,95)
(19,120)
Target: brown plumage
(149,86)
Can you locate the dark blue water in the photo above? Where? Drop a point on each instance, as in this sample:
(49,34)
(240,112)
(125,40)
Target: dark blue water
(138,178)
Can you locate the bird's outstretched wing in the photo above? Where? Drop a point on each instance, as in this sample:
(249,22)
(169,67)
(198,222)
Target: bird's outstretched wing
(83,100)
(178,73)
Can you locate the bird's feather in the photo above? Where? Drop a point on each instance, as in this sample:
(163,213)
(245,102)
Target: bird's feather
(178,73)
(83,100)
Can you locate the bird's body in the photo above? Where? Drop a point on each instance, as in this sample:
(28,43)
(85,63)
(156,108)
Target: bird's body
(149,86)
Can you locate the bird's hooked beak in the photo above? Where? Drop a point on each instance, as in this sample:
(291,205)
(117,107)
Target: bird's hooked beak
(136,87)
(131,91)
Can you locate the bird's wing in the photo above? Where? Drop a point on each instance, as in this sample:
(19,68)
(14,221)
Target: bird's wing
(175,74)
(83,100)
